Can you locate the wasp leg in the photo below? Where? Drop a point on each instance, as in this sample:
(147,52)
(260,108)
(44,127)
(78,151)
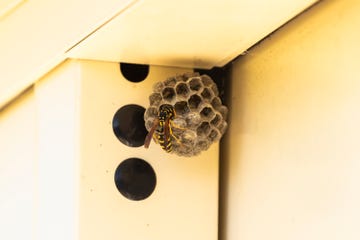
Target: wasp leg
(155,139)
(177,139)
(173,135)
(177,126)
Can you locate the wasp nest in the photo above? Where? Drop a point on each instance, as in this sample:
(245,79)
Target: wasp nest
(200,116)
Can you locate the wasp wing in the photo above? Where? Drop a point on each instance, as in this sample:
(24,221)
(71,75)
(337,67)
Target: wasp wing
(151,133)
(167,133)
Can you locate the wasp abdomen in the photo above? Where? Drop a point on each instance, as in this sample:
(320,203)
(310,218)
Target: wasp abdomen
(164,143)
(161,129)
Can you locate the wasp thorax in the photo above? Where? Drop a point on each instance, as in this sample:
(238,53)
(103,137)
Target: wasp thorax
(199,115)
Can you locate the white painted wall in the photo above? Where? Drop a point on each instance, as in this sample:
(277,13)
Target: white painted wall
(184,204)
(292,152)
(59,154)
(18,178)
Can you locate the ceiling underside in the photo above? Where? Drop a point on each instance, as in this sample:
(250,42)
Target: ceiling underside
(36,35)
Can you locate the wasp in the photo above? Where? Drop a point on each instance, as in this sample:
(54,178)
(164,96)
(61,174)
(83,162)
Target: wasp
(161,130)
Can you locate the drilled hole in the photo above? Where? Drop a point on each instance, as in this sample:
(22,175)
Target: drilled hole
(135,179)
(134,72)
(128,125)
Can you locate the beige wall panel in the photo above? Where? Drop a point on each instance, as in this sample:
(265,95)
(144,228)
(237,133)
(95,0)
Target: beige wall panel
(184,204)
(18,178)
(57,109)
(79,153)
(292,158)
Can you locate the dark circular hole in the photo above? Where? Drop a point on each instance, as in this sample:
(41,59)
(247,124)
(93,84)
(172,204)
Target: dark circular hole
(129,126)
(135,179)
(134,72)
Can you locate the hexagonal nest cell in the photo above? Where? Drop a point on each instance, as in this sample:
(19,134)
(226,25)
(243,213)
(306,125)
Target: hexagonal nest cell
(200,116)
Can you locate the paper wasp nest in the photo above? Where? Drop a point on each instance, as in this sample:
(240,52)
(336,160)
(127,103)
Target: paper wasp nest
(200,116)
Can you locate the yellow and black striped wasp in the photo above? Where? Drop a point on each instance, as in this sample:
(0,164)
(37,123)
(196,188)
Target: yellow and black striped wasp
(161,130)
